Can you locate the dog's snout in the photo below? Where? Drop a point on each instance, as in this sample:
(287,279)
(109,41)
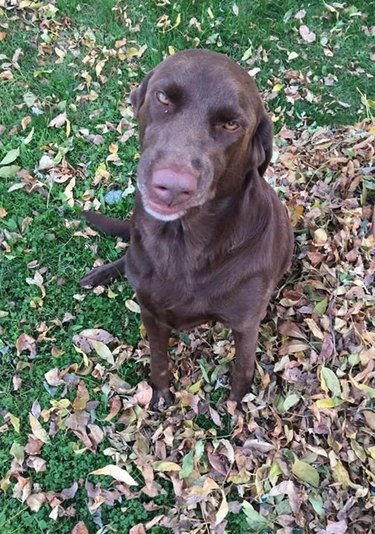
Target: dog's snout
(173,186)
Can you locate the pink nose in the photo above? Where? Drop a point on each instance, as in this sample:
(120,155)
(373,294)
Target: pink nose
(171,187)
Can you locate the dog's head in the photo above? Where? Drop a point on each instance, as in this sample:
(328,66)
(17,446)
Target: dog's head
(203,132)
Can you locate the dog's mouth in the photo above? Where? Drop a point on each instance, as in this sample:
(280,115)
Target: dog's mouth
(163,212)
(169,189)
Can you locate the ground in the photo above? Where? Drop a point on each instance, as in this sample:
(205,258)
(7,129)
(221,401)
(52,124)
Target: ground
(80,450)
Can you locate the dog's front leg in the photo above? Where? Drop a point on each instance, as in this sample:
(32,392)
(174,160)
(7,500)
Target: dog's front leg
(243,371)
(158,336)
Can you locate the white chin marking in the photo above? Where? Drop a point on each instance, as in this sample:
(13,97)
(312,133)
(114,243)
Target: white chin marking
(164,216)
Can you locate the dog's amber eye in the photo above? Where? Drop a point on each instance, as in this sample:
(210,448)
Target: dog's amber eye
(231,126)
(162,97)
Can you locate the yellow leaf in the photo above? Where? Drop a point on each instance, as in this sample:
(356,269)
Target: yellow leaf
(86,361)
(194,388)
(131,52)
(325,403)
(111,294)
(306,472)
(276,89)
(178,21)
(18,452)
(166,466)
(171,51)
(61,404)
(222,511)
(37,429)
(339,472)
(15,422)
(366,389)
(4,484)
(102,350)
(117,473)
(297,214)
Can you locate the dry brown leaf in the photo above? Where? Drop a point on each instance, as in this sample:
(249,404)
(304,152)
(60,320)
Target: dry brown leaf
(28,343)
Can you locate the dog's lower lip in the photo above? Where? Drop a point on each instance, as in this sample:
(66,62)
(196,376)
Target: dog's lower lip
(164,210)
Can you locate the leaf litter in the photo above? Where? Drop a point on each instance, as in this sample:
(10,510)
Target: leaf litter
(301,453)
(304,442)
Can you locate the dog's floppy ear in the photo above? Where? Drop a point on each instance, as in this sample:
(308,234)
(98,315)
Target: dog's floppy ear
(261,150)
(137,96)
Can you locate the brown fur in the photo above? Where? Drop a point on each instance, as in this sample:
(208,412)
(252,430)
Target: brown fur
(222,257)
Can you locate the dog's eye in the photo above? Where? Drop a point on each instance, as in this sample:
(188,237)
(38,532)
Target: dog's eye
(231,126)
(162,97)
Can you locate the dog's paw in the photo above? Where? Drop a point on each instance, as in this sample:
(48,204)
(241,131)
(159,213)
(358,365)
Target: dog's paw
(161,399)
(92,279)
(100,276)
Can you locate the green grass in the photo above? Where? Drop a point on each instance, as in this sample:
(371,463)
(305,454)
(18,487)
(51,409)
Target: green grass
(264,31)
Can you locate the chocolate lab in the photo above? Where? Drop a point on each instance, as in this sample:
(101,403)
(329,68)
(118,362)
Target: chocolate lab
(209,239)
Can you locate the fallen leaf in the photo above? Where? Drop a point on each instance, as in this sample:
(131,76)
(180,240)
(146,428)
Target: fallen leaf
(11,156)
(143,393)
(132,306)
(45,163)
(320,237)
(80,528)
(28,343)
(37,429)
(329,381)
(187,465)
(35,501)
(15,422)
(370,418)
(103,351)
(306,34)
(222,511)
(165,466)
(18,452)
(117,473)
(58,121)
(305,472)
(138,529)
(339,527)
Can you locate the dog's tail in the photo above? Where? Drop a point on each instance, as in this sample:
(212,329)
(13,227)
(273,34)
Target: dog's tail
(108,225)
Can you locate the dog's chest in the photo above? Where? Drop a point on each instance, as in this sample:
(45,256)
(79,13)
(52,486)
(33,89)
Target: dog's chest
(171,289)
(178,301)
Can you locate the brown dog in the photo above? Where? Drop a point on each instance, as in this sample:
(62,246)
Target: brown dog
(209,237)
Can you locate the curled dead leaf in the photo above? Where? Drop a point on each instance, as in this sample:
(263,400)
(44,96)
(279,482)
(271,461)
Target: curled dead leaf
(28,343)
